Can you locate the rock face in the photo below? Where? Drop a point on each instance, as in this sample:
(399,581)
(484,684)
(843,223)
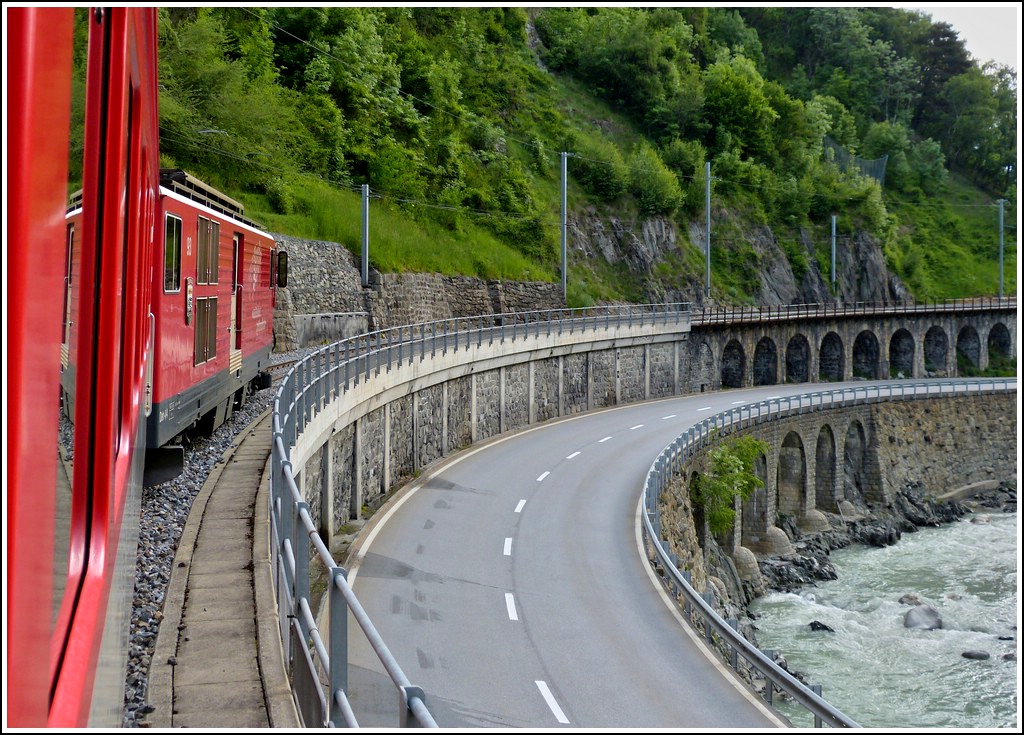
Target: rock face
(642,244)
(326,301)
(809,561)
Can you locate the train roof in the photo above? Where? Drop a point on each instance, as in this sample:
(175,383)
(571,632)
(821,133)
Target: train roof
(188,186)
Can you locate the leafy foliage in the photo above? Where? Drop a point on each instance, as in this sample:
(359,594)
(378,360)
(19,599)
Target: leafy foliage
(455,118)
(730,477)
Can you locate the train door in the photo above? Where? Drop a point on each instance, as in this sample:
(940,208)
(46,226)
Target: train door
(238,253)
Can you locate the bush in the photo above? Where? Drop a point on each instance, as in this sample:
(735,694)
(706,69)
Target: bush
(652,183)
(730,476)
(600,169)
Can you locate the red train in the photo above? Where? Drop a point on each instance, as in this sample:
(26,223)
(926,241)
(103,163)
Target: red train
(212,304)
(165,326)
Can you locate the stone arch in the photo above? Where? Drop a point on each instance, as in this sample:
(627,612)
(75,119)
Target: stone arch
(855,465)
(825,470)
(968,350)
(798,360)
(999,344)
(766,362)
(830,358)
(704,364)
(901,354)
(732,365)
(936,351)
(865,355)
(792,477)
(755,509)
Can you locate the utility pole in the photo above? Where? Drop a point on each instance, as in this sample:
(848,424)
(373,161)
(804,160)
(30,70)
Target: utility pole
(707,238)
(833,255)
(565,229)
(1001,203)
(366,236)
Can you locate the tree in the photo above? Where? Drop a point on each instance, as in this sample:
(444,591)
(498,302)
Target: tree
(737,109)
(730,476)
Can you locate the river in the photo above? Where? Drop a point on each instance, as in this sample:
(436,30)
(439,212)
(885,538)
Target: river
(884,675)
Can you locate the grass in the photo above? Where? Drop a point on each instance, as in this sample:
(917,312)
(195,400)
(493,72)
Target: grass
(947,246)
(399,241)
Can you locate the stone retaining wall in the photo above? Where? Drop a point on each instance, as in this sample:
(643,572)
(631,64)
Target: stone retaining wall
(325,300)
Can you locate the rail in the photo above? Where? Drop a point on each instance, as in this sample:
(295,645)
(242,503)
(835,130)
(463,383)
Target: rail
(328,373)
(672,463)
(751,314)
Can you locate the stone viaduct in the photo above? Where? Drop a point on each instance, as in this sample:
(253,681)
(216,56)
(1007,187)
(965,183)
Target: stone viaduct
(764,347)
(381,432)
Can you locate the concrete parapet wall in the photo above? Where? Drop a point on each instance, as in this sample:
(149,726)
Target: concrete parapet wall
(387,427)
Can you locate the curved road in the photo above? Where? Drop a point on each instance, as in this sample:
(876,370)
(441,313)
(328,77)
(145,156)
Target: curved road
(509,584)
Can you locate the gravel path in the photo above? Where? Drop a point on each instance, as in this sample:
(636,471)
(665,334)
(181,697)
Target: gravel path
(164,512)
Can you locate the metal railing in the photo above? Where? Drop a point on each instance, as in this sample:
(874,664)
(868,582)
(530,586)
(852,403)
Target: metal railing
(671,463)
(310,385)
(328,374)
(750,314)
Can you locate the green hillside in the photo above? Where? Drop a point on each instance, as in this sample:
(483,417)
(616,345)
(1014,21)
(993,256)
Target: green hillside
(455,118)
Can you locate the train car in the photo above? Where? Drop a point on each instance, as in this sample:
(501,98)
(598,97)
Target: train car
(214,277)
(74,487)
(214,296)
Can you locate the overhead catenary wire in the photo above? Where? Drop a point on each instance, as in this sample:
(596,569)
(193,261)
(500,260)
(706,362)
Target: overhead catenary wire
(513,216)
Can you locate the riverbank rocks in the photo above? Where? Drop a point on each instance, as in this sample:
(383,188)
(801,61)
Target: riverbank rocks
(977,655)
(922,617)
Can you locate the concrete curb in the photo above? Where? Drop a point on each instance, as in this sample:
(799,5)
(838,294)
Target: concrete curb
(160,691)
(280,705)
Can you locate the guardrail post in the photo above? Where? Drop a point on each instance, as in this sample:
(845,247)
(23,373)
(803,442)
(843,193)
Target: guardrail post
(301,559)
(304,392)
(816,688)
(733,653)
(769,686)
(335,368)
(348,360)
(376,370)
(339,642)
(406,695)
(318,383)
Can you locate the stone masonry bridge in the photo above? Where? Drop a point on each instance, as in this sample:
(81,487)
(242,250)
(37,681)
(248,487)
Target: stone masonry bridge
(754,347)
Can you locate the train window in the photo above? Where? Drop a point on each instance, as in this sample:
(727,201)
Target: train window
(282,269)
(214,252)
(206,330)
(203,251)
(172,254)
(208,255)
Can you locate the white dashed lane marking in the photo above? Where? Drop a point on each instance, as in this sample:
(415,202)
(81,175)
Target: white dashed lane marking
(550,699)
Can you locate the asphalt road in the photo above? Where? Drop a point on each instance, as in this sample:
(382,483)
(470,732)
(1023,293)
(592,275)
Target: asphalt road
(509,585)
